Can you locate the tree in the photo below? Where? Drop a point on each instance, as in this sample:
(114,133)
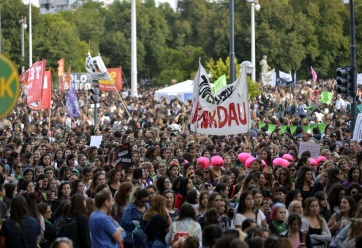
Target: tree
(221,67)
(62,41)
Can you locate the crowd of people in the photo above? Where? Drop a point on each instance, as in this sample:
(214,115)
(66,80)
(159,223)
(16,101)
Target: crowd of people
(181,189)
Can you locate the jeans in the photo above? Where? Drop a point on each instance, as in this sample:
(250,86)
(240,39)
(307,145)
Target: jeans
(157,244)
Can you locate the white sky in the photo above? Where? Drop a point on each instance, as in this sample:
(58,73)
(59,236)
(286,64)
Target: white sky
(173,3)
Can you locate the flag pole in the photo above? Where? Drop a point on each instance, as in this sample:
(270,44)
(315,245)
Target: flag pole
(119,96)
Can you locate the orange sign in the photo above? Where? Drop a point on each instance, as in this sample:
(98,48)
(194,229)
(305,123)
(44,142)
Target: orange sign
(112,85)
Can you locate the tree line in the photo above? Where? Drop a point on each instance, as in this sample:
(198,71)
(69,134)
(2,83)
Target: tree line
(293,34)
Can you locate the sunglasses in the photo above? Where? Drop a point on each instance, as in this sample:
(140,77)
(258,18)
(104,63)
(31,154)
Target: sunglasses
(206,172)
(292,169)
(283,174)
(192,177)
(145,201)
(19,167)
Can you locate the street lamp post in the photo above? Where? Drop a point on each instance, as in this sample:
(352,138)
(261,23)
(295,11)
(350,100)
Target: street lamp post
(23,25)
(232,49)
(353,65)
(254,6)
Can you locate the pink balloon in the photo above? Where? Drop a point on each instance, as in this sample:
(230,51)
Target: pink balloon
(243,157)
(319,159)
(312,161)
(248,162)
(280,161)
(288,157)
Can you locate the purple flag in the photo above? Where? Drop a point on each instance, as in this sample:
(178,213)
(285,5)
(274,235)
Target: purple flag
(72,103)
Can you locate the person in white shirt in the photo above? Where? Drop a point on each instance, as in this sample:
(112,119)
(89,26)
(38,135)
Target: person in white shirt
(340,104)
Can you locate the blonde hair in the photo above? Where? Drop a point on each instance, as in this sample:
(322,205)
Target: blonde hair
(157,207)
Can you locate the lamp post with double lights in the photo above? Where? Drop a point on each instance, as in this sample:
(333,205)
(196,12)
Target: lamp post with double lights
(254,6)
(23,26)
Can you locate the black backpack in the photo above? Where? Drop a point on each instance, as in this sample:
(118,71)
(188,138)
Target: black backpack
(69,228)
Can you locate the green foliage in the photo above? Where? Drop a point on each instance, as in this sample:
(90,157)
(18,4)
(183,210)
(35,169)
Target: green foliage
(222,67)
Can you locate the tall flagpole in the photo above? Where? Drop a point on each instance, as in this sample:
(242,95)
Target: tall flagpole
(133,50)
(30,37)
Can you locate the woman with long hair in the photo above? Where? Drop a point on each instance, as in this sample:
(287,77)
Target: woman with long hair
(185,185)
(354,176)
(295,233)
(295,207)
(245,210)
(341,219)
(114,180)
(163,183)
(78,213)
(170,204)
(49,233)
(20,230)
(217,163)
(348,235)
(285,179)
(314,224)
(77,187)
(63,195)
(209,177)
(335,195)
(324,212)
(157,222)
(305,182)
(186,223)
(121,201)
(203,200)
(98,178)
(334,176)
(173,170)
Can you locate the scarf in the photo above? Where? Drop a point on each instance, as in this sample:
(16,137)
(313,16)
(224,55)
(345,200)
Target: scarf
(279,226)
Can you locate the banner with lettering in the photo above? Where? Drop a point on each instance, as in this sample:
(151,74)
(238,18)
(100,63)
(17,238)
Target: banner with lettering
(269,78)
(115,84)
(225,112)
(96,68)
(35,83)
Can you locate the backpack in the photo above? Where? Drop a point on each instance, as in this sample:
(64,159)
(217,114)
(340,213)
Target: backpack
(140,238)
(69,228)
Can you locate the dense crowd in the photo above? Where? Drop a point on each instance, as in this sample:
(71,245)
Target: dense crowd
(181,189)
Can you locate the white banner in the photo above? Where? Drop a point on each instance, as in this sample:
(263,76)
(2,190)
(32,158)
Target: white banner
(359,78)
(96,68)
(357,132)
(285,76)
(224,113)
(202,88)
(269,78)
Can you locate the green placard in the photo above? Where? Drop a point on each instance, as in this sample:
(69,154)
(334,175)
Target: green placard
(261,125)
(9,86)
(292,129)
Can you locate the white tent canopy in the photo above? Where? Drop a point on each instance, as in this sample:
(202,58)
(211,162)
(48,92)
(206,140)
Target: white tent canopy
(182,91)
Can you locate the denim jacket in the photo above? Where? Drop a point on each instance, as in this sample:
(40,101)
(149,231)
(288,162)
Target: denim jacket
(130,215)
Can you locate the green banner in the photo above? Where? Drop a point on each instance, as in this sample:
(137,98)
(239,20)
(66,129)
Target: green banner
(221,82)
(326,97)
(271,127)
(292,129)
(322,127)
(306,128)
(283,128)
(261,125)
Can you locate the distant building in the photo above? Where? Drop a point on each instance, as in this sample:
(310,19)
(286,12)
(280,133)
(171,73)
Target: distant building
(54,6)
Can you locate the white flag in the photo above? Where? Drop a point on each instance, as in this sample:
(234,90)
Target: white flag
(96,68)
(224,113)
(285,76)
